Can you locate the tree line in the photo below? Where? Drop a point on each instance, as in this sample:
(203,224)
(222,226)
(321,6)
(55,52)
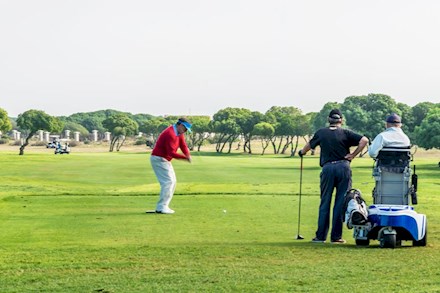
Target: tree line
(279,129)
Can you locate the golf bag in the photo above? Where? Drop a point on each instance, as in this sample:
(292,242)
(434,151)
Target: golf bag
(356,211)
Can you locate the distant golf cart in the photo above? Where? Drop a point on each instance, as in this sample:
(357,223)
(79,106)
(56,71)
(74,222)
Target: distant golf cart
(62,149)
(51,145)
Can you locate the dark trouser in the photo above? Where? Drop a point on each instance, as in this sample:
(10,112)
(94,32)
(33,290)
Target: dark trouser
(333,175)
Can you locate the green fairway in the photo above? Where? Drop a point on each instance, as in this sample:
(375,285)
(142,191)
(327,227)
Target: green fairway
(77,223)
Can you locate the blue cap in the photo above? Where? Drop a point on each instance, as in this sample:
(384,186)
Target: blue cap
(393,118)
(186,124)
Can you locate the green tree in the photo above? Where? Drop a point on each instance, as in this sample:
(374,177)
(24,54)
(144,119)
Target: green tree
(265,132)
(420,111)
(76,127)
(201,130)
(93,120)
(303,128)
(366,114)
(428,133)
(408,119)
(120,125)
(227,124)
(153,128)
(286,119)
(226,131)
(309,129)
(247,121)
(321,118)
(5,122)
(418,114)
(32,121)
(141,118)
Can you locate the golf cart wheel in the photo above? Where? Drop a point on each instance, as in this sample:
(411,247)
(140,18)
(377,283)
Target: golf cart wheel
(362,242)
(388,241)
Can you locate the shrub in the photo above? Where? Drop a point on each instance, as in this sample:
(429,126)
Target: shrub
(39,143)
(139,142)
(16,142)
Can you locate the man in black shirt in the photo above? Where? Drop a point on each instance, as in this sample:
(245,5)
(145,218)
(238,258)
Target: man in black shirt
(335,158)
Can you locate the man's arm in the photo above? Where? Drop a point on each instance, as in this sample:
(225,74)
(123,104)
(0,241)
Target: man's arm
(304,150)
(184,148)
(362,143)
(376,146)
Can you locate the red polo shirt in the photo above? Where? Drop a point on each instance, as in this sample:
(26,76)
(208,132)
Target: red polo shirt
(168,143)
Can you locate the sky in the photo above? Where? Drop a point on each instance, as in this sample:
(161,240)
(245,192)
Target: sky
(196,57)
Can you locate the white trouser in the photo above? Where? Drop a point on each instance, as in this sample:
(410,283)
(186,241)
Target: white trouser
(167,178)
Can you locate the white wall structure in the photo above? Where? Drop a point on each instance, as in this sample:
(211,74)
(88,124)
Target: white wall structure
(95,135)
(46,136)
(107,136)
(67,134)
(76,135)
(16,135)
(40,135)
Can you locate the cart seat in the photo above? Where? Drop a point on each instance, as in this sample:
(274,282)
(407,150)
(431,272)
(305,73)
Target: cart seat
(394,159)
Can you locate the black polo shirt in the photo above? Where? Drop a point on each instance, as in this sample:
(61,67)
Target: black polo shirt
(335,143)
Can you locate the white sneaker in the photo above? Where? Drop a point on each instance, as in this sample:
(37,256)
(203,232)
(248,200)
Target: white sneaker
(165,211)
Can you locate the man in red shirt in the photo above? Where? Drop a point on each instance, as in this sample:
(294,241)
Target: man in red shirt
(165,149)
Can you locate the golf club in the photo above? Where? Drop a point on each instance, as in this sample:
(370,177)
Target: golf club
(298,236)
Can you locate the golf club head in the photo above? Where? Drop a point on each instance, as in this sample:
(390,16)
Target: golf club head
(299,237)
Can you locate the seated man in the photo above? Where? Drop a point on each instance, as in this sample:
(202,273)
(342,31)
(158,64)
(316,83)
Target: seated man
(392,137)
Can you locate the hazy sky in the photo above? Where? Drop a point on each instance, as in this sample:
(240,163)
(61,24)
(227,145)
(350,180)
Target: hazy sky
(195,57)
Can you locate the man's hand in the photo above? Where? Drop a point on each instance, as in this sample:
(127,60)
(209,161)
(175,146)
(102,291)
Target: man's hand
(349,157)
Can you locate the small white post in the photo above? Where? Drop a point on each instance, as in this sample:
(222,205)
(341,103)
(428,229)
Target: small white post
(95,135)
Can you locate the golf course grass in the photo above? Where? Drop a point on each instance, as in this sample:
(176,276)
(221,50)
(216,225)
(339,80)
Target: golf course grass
(77,223)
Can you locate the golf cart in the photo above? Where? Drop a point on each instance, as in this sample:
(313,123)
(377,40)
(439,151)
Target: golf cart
(51,145)
(391,219)
(62,150)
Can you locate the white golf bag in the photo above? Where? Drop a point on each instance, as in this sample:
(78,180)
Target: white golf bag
(356,211)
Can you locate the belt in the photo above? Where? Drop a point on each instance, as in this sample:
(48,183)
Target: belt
(335,162)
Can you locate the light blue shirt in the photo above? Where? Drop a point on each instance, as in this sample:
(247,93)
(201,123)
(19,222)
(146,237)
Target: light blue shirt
(391,137)
(175,129)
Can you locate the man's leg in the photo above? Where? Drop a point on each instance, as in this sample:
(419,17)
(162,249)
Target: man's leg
(172,186)
(342,186)
(326,198)
(167,178)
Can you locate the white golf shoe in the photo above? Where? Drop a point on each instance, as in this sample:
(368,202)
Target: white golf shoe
(166,210)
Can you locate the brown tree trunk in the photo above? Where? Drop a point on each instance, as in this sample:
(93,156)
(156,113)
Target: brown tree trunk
(25,143)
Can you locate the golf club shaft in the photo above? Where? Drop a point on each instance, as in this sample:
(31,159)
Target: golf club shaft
(300,192)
